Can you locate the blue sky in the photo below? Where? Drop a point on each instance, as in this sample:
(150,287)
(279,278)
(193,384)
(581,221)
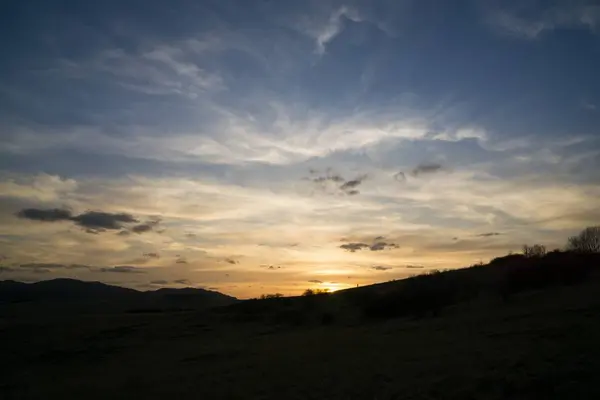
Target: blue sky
(259,146)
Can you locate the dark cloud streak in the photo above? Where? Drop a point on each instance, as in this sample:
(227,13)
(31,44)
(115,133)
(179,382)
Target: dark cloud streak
(352,247)
(381,268)
(429,168)
(92,222)
(379,246)
(123,270)
(419,170)
(99,220)
(145,227)
(346,187)
(489,234)
(45,215)
(351,184)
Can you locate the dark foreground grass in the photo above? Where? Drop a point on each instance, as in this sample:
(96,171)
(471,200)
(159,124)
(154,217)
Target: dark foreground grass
(542,344)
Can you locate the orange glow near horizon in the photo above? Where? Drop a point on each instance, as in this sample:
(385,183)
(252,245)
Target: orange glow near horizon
(333,286)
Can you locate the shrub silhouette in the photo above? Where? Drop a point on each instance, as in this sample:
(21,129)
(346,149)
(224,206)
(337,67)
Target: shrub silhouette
(271,296)
(537,250)
(511,258)
(556,268)
(315,292)
(587,241)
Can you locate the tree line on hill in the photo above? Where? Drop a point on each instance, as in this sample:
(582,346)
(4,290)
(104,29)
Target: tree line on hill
(429,293)
(534,268)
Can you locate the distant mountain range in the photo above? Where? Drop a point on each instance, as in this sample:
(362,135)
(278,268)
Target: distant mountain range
(67,291)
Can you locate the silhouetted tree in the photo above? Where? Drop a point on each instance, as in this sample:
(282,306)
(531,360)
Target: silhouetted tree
(553,269)
(313,292)
(270,296)
(587,241)
(537,250)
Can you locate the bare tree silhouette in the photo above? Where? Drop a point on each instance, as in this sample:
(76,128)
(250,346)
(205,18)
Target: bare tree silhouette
(587,241)
(537,250)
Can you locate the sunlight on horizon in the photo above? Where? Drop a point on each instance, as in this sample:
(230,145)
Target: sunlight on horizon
(333,286)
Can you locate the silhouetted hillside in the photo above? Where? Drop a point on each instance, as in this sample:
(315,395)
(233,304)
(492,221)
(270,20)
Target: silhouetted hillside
(503,277)
(81,293)
(427,294)
(518,327)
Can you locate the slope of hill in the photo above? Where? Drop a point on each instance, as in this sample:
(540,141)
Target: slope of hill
(428,294)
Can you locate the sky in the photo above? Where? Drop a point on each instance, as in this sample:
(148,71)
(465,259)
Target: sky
(255,147)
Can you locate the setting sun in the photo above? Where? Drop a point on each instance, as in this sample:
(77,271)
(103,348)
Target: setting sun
(333,286)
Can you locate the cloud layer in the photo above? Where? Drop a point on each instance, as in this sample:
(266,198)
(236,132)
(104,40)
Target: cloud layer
(194,149)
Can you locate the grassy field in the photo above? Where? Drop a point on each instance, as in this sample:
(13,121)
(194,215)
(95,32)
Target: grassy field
(540,344)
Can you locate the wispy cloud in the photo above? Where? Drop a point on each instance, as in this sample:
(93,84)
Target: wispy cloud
(122,270)
(165,282)
(517,26)
(162,70)
(587,105)
(56,266)
(564,14)
(333,27)
(40,187)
